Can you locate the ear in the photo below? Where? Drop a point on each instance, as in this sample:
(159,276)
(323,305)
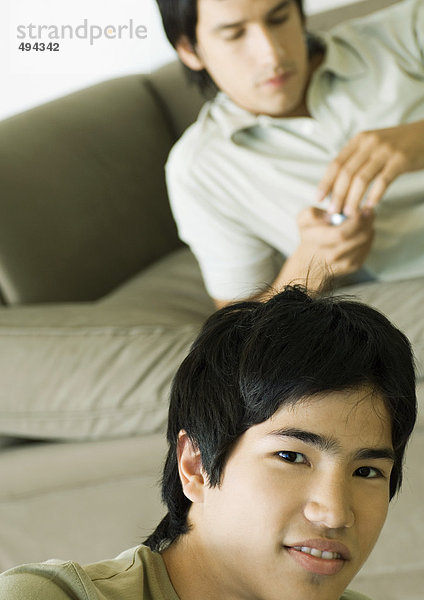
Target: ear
(188,54)
(190,468)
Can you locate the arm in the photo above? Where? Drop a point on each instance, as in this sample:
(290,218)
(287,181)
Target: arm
(323,250)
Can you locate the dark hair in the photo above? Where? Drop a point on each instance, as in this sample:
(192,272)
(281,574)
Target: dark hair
(179,18)
(251,358)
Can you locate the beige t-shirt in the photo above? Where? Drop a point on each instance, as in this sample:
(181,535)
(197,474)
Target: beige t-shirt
(136,574)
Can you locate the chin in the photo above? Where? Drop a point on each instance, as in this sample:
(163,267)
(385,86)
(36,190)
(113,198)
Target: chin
(283,108)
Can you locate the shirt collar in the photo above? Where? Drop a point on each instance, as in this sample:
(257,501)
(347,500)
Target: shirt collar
(341,59)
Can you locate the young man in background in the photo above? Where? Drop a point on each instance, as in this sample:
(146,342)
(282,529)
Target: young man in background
(287,429)
(298,119)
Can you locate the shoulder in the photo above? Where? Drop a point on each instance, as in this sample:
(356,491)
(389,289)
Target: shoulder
(66,580)
(44,580)
(195,141)
(27,586)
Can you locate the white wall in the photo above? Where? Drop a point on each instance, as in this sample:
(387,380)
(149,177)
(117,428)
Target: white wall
(33,77)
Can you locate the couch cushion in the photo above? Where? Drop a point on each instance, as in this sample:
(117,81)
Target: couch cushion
(104,369)
(395,568)
(100,370)
(402,302)
(85,501)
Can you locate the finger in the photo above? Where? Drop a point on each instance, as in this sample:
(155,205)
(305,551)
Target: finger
(357,244)
(344,180)
(349,255)
(361,182)
(330,175)
(357,223)
(310,216)
(327,181)
(351,157)
(382,182)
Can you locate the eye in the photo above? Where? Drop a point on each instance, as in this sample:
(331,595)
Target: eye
(292,457)
(234,36)
(368,473)
(278,20)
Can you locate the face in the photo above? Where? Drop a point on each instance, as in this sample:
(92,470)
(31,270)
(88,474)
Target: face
(255,51)
(303,498)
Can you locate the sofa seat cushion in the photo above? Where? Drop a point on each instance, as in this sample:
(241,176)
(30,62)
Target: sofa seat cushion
(395,568)
(86,501)
(100,370)
(104,369)
(402,302)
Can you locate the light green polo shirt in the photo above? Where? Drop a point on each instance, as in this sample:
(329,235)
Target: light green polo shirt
(238,181)
(136,574)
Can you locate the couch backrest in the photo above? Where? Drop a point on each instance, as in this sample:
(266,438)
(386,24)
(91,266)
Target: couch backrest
(83,197)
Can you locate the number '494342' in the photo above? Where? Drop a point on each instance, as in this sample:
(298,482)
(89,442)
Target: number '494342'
(39,46)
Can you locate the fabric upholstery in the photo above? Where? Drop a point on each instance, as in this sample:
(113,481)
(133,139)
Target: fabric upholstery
(101,370)
(85,501)
(91,210)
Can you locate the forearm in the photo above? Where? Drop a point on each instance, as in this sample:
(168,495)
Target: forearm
(301,268)
(324,252)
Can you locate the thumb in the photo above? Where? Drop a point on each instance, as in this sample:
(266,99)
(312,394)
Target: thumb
(310,216)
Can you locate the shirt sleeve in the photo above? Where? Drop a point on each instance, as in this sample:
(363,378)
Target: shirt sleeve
(50,580)
(401,29)
(29,586)
(418,24)
(235,263)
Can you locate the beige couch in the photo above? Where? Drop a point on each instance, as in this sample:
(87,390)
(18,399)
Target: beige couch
(100,303)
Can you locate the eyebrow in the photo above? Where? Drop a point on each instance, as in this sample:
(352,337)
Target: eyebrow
(225,26)
(332,446)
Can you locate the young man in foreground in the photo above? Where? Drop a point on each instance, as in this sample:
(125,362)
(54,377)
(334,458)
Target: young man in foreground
(287,429)
(299,117)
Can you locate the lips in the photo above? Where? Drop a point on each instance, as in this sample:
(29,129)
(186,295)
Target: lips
(319,556)
(279,79)
(323,545)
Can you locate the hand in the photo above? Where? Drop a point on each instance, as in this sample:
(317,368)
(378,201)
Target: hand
(341,249)
(373,158)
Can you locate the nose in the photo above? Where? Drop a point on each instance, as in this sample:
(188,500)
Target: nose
(329,503)
(267,47)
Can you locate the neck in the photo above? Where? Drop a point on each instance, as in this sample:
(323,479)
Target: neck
(315,61)
(192,574)
(183,568)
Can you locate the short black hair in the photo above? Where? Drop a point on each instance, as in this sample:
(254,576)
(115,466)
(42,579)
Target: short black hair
(179,18)
(253,357)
